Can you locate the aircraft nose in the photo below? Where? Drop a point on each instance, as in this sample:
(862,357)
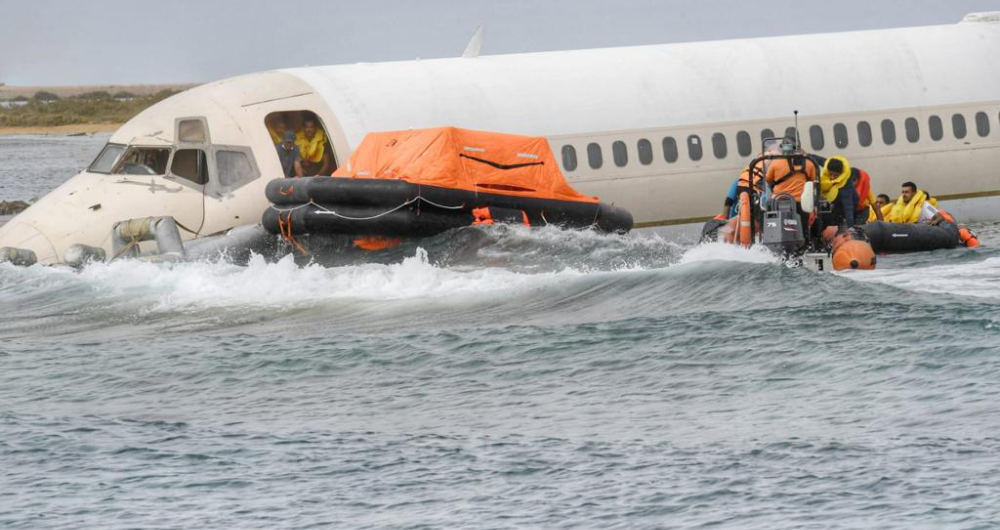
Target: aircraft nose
(26,236)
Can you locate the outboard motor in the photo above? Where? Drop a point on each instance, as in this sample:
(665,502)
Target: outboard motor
(783,233)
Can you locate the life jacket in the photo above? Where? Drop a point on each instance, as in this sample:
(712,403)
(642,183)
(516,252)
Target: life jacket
(864,186)
(964,234)
(784,170)
(872,216)
(830,187)
(796,166)
(311,149)
(275,137)
(909,212)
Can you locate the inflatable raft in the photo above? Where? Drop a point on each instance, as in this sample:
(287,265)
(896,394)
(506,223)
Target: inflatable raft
(912,237)
(423,182)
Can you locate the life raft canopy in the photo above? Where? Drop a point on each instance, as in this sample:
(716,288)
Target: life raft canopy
(476,161)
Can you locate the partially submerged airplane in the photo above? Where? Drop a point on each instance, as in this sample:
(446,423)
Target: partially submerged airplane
(660,130)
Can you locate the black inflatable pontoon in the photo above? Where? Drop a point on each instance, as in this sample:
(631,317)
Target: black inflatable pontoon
(396,208)
(911,237)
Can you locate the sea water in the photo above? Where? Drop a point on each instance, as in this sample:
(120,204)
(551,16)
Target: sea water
(496,377)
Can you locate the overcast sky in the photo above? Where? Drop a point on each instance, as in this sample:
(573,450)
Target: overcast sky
(59,42)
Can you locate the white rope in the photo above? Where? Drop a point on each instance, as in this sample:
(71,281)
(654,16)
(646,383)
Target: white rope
(328,211)
(273,207)
(459,207)
(383,214)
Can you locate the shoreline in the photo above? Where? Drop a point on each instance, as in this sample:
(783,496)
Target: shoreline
(61,130)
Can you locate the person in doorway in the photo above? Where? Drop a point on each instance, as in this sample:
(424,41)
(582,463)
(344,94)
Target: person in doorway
(311,141)
(277,129)
(288,154)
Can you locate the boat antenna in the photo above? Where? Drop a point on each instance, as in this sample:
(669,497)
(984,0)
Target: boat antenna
(798,139)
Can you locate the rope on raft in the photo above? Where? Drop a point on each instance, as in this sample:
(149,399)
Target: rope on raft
(285,227)
(327,211)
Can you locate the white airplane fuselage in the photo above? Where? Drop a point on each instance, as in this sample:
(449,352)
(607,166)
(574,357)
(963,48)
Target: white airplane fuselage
(660,130)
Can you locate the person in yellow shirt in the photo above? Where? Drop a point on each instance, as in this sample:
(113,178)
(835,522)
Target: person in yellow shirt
(312,147)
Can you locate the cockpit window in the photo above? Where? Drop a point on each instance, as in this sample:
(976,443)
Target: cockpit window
(190,164)
(143,161)
(192,130)
(105,161)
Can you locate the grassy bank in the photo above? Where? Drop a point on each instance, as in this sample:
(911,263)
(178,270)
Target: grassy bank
(48,110)
(62,130)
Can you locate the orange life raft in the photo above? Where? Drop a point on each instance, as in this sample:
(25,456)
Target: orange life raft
(422,182)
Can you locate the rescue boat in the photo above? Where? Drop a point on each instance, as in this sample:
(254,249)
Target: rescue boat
(419,183)
(778,226)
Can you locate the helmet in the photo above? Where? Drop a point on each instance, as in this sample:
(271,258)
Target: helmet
(787,146)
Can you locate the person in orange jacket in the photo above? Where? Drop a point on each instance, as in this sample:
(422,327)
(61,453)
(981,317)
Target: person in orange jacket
(790,174)
(866,197)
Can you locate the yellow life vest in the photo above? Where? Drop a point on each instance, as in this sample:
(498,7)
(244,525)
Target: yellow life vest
(908,212)
(830,187)
(885,211)
(275,137)
(311,149)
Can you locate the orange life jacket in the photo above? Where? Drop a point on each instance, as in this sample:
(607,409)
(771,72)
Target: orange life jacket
(864,187)
(964,234)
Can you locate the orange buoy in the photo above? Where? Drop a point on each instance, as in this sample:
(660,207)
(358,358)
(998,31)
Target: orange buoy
(853,254)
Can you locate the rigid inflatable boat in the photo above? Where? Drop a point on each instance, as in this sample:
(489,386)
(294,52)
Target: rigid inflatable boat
(418,183)
(810,240)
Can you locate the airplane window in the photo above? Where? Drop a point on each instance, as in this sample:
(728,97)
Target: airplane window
(790,133)
(670,149)
(143,161)
(764,134)
(105,161)
(864,134)
(694,147)
(569,157)
(190,164)
(840,135)
(645,149)
(982,124)
(719,147)
(816,137)
(888,132)
(743,144)
(958,126)
(912,130)
(937,130)
(620,153)
(234,168)
(594,157)
(192,131)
